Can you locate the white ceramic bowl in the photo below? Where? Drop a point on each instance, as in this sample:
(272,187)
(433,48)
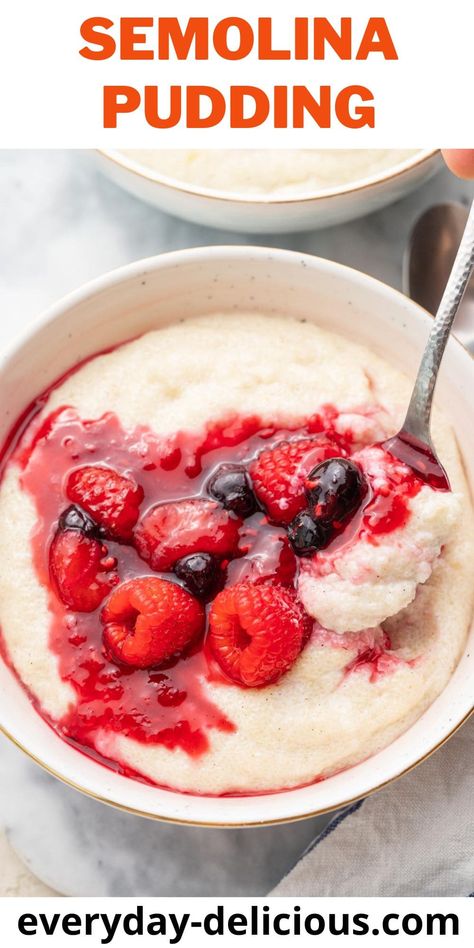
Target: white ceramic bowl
(268,214)
(154,292)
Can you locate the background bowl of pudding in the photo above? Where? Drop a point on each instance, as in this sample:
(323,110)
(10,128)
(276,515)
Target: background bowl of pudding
(228,280)
(269,191)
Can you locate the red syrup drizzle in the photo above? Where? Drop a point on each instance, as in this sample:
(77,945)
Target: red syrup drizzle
(167,705)
(376,660)
(388,509)
(373,648)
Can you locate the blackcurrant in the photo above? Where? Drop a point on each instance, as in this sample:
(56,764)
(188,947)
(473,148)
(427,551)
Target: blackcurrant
(307,535)
(232,487)
(200,573)
(334,489)
(73,518)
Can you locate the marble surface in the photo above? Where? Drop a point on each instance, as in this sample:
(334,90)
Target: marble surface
(15,877)
(61,224)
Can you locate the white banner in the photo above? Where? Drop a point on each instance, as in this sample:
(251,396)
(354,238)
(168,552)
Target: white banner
(267,922)
(253,73)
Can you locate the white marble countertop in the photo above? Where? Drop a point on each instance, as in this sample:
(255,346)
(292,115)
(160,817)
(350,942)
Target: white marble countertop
(61,224)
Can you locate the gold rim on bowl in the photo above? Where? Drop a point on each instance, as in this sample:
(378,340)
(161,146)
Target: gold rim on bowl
(239,824)
(122,161)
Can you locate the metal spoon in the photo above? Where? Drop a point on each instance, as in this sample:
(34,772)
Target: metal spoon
(413,444)
(429,258)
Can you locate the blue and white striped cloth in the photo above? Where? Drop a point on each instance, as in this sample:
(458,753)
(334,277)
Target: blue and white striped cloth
(414,838)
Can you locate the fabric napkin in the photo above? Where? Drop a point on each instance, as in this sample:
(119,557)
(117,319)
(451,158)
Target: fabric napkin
(414,838)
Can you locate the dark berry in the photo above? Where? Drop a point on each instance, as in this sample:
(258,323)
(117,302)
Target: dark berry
(200,573)
(76,519)
(307,535)
(334,489)
(232,487)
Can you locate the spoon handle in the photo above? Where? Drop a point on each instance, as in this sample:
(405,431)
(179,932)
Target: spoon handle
(417,421)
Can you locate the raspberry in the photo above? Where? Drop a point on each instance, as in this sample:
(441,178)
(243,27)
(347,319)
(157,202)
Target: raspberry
(147,620)
(279,474)
(110,498)
(256,632)
(82,572)
(173,530)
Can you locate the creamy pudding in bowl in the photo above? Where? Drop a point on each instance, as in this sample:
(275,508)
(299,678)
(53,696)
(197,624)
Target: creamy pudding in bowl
(276,173)
(216,579)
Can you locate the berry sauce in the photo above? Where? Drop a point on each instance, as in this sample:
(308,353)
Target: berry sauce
(167,705)
(374,655)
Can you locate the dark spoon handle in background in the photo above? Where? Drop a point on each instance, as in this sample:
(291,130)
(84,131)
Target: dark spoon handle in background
(428,260)
(417,421)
